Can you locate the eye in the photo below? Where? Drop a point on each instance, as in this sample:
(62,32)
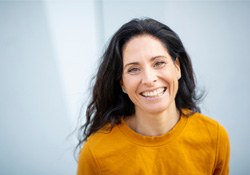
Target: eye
(160,64)
(133,70)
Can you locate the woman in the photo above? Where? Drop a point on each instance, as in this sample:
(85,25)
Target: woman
(143,117)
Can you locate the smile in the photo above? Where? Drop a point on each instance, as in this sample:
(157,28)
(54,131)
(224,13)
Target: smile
(155,93)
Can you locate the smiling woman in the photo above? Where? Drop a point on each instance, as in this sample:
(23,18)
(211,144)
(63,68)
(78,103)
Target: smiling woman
(143,117)
(150,78)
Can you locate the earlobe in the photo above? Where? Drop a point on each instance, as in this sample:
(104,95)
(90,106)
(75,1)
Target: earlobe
(123,89)
(179,75)
(178,68)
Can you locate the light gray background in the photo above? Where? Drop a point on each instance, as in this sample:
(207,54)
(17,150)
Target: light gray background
(50,49)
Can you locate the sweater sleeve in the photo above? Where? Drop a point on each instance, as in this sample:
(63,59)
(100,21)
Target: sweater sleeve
(223,152)
(87,164)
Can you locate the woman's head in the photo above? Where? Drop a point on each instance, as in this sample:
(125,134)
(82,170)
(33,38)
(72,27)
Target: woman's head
(150,76)
(109,103)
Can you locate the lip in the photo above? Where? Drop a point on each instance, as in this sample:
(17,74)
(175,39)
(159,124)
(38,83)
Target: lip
(154,93)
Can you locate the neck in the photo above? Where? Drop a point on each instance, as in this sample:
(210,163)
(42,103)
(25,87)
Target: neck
(153,124)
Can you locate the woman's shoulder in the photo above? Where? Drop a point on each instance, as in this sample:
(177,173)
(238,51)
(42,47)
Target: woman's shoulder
(105,143)
(202,119)
(97,147)
(202,123)
(104,137)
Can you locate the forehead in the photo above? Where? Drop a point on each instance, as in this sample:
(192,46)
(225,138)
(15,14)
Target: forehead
(142,47)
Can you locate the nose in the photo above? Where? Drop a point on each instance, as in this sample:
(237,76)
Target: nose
(149,77)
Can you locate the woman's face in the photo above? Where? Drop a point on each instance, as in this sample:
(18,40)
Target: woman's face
(150,76)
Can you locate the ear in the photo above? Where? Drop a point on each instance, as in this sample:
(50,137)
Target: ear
(178,68)
(121,84)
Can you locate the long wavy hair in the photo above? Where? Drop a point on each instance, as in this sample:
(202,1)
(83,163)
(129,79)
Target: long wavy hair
(108,104)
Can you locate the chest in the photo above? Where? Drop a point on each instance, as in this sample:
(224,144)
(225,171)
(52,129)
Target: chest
(176,158)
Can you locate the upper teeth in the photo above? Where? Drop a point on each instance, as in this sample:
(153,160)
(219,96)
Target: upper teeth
(154,93)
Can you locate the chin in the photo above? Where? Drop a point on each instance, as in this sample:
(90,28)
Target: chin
(156,110)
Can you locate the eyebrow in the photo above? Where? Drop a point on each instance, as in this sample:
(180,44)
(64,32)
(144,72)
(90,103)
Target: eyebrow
(151,59)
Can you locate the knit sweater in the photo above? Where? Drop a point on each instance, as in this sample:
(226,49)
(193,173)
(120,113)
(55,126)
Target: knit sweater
(197,145)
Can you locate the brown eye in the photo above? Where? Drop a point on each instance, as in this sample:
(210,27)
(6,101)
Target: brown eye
(133,70)
(159,64)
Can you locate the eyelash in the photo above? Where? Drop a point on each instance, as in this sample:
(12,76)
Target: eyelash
(133,70)
(157,65)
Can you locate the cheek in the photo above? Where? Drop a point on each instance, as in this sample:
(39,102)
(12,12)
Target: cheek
(171,77)
(130,84)
(126,82)
(174,73)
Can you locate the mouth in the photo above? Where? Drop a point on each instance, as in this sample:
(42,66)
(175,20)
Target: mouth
(154,93)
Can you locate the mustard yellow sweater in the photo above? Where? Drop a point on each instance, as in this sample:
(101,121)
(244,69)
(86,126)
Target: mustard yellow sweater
(197,145)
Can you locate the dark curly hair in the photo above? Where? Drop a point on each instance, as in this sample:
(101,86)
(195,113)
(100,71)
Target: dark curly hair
(108,103)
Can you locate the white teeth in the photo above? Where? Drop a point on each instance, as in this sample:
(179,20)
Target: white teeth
(154,93)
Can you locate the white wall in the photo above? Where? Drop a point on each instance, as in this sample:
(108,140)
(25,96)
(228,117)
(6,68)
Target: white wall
(47,53)
(49,50)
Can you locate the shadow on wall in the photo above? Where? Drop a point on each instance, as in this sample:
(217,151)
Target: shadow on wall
(33,116)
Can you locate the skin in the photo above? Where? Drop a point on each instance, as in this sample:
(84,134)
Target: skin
(150,79)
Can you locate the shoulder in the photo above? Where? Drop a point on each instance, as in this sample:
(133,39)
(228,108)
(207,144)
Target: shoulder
(105,141)
(201,118)
(104,136)
(216,136)
(201,125)
(209,136)
(202,121)
(104,145)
